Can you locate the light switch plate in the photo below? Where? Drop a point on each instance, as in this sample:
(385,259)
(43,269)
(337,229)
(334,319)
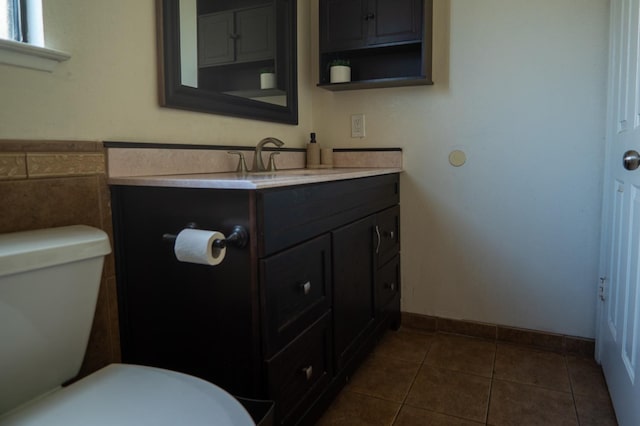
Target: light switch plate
(358,126)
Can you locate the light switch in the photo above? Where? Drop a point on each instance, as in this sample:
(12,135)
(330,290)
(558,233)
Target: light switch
(358,126)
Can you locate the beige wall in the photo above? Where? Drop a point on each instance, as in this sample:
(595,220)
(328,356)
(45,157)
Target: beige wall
(512,237)
(108,90)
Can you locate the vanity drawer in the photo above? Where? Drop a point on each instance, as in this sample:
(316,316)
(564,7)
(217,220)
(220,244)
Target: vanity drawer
(296,291)
(387,284)
(387,234)
(287,216)
(300,372)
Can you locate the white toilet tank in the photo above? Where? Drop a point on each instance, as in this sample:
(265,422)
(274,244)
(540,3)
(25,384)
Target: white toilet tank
(49,281)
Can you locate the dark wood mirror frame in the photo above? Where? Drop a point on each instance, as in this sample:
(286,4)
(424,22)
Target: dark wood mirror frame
(174,94)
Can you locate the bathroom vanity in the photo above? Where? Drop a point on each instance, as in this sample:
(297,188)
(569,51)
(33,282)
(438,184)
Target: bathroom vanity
(289,316)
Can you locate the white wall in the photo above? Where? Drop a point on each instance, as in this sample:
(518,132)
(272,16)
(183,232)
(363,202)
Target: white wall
(511,237)
(108,90)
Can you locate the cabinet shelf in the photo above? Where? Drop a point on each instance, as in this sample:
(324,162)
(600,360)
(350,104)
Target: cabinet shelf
(377,83)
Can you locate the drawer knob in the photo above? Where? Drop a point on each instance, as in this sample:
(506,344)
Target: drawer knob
(306,287)
(390,286)
(308,372)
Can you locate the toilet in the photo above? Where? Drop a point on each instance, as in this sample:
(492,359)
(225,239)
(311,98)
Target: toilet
(49,281)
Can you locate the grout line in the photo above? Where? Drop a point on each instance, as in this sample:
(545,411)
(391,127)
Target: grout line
(573,395)
(413,381)
(493,375)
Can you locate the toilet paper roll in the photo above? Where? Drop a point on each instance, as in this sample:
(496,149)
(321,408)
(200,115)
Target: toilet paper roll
(196,246)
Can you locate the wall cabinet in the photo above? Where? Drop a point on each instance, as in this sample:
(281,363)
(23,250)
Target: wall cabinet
(244,35)
(287,318)
(388,42)
(354,24)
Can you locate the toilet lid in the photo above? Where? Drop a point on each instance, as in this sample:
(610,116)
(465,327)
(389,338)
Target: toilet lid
(123,394)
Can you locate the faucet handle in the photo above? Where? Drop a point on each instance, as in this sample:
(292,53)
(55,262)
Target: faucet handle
(272,162)
(242,165)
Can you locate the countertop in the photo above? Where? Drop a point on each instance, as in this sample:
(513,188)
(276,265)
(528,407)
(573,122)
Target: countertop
(261,180)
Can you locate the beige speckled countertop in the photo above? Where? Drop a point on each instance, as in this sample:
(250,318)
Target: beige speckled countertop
(252,180)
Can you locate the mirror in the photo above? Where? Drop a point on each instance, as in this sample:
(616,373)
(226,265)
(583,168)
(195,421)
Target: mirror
(230,57)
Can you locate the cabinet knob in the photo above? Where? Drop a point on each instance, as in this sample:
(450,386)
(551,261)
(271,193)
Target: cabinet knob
(389,234)
(390,286)
(308,372)
(234,36)
(306,287)
(369,17)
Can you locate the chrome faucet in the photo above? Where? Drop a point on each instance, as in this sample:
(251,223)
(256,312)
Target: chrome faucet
(258,164)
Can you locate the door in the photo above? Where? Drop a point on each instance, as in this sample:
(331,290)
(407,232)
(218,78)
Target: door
(343,24)
(619,312)
(394,21)
(353,298)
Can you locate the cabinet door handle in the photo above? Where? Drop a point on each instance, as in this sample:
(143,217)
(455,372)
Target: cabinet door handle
(306,287)
(378,235)
(308,372)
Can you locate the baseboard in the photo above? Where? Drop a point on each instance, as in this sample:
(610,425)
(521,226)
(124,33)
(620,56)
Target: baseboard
(568,345)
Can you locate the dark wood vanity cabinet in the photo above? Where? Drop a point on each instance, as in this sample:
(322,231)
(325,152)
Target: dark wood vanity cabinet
(287,318)
(387,42)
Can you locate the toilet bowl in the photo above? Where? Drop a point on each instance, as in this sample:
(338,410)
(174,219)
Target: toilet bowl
(49,281)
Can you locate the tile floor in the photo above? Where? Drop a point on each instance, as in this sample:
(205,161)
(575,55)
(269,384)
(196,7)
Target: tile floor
(418,378)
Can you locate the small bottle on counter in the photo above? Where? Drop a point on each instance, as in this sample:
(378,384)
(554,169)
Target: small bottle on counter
(313,153)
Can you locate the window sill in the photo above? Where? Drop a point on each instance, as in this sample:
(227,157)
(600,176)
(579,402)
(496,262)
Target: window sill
(29,56)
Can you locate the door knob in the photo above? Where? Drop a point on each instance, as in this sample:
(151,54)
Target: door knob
(631,160)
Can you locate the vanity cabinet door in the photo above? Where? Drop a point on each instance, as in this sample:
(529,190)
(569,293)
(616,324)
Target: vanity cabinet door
(296,289)
(353,298)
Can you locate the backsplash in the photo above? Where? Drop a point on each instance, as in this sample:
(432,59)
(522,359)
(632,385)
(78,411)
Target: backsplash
(46,184)
(124,159)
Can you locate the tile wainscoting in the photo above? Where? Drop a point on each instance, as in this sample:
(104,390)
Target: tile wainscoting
(47,184)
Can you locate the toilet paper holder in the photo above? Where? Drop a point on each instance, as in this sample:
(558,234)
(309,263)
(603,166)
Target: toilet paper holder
(239,237)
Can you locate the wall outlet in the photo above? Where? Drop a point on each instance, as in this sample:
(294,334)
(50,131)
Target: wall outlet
(357,126)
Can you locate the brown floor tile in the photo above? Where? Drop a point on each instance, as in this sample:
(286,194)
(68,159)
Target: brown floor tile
(598,412)
(354,409)
(382,377)
(465,354)
(531,366)
(519,404)
(411,416)
(587,378)
(450,392)
(405,345)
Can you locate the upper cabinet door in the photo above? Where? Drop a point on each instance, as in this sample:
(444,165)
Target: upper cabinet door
(256,34)
(394,21)
(215,39)
(356,24)
(343,24)
(243,35)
